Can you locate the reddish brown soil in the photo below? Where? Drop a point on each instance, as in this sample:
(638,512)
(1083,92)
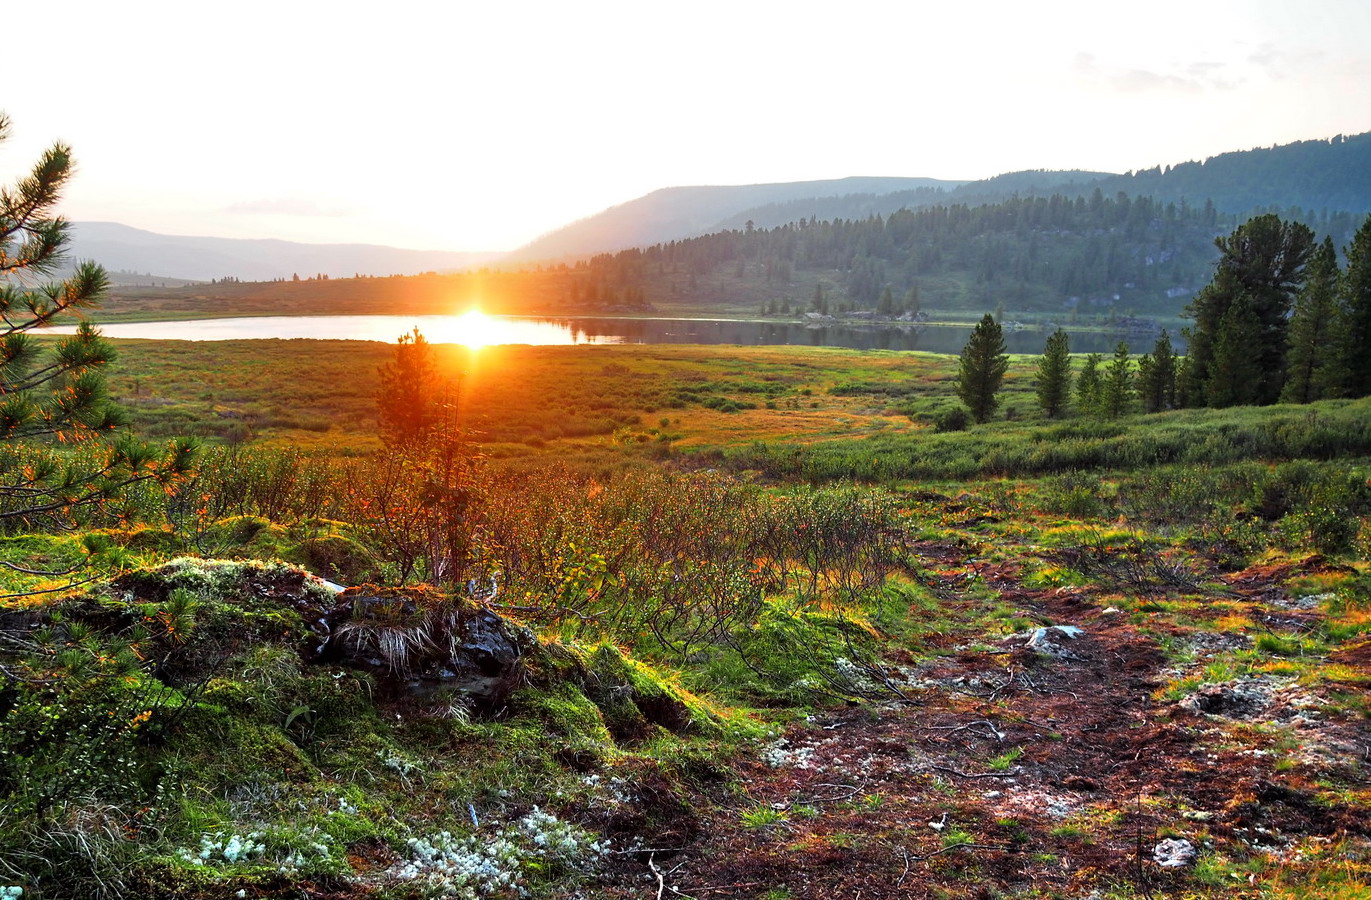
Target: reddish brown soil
(1106,771)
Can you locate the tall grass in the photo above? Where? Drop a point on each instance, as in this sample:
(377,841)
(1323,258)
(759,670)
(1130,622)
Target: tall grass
(1329,430)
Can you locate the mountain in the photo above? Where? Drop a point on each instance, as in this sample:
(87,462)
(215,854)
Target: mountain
(180,257)
(1332,175)
(679,212)
(1038,182)
(1320,179)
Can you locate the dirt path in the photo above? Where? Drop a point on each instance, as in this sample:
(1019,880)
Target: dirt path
(1013,771)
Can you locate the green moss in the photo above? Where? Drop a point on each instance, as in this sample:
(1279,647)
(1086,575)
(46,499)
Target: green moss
(334,556)
(790,656)
(636,699)
(567,712)
(225,748)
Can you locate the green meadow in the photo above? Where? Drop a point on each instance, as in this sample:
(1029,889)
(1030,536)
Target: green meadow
(774,604)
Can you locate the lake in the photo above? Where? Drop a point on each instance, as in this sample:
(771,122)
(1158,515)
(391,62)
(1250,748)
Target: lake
(482,330)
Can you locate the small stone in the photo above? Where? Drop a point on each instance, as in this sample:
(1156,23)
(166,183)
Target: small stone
(1174,853)
(1044,641)
(1110,611)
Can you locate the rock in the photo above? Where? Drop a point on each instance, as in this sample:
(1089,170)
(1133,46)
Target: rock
(1047,640)
(1174,853)
(1110,611)
(1243,699)
(421,643)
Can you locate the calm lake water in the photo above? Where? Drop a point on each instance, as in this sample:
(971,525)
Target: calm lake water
(490,330)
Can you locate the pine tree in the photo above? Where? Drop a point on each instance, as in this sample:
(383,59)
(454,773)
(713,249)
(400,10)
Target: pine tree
(1356,314)
(411,397)
(1313,360)
(1117,387)
(1054,375)
(820,300)
(54,392)
(1235,374)
(886,306)
(981,369)
(1089,387)
(1261,264)
(1157,376)
(912,301)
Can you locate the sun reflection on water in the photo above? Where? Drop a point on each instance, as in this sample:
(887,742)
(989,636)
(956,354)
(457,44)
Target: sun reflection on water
(475,329)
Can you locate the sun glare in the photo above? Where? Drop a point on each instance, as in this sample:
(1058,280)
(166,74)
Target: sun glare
(475,329)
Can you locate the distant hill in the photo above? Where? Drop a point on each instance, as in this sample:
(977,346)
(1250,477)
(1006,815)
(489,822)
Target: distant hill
(1309,180)
(859,206)
(678,212)
(1332,175)
(124,278)
(179,257)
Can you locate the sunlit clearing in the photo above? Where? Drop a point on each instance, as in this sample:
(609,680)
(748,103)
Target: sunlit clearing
(475,329)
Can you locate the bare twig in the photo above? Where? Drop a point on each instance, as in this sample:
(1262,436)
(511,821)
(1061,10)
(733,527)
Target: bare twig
(952,847)
(661,882)
(949,771)
(953,729)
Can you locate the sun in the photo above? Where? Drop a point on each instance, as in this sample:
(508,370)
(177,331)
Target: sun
(475,329)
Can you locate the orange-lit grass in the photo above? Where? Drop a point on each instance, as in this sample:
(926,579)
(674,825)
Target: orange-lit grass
(322,393)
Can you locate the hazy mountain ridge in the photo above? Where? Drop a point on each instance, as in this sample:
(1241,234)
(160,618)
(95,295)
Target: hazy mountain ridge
(123,248)
(860,206)
(678,212)
(1332,174)
(1316,176)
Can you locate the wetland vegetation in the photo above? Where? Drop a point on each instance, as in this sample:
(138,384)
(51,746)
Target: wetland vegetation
(347,620)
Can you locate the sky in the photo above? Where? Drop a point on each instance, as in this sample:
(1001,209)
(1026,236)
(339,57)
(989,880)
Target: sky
(457,125)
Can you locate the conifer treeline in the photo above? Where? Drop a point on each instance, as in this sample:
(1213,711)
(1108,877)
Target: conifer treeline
(1044,253)
(1279,322)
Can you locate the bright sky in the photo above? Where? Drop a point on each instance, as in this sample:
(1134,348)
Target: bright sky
(477,126)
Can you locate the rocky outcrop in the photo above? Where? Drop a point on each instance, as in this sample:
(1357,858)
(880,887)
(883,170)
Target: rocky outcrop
(423,644)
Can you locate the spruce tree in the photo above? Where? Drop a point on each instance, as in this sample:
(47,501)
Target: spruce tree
(1117,386)
(1262,265)
(1356,314)
(886,306)
(1089,386)
(1314,359)
(1235,371)
(410,398)
(1054,375)
(981,369)
(1157,376)
(912,301)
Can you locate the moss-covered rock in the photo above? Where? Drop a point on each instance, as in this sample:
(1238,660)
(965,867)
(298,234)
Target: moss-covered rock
(636,700)
(336,557)
(425,645)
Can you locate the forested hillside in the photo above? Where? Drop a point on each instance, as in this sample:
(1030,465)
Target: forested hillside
(1325,176)
(863,205)
(1308,181)
(1059,255)
(679,212)
(1056,253)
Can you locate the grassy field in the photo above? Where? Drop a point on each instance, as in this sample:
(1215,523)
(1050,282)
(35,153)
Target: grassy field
(788,640)
(323,393)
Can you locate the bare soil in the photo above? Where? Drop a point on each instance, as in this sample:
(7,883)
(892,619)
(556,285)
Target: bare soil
(1011,773)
